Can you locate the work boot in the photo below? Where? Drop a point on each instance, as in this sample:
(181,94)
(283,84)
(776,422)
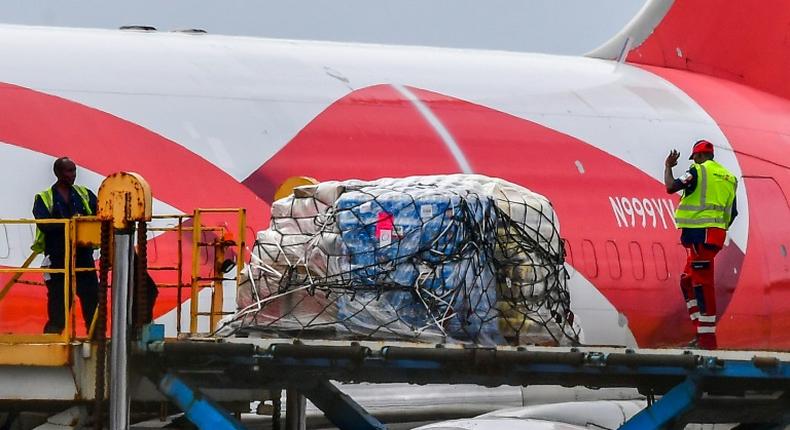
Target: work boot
(50,328)
(694,344)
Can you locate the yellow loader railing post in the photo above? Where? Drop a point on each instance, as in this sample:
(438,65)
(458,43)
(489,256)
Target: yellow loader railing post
(197,232)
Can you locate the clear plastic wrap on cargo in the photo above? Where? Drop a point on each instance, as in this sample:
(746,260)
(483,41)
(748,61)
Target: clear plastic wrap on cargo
(450,258)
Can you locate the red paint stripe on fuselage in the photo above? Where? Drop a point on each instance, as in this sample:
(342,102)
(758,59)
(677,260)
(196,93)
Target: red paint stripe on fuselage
(371,133)
(106,144)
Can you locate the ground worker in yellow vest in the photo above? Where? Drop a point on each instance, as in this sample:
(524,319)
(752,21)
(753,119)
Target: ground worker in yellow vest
(706,211)
(65,200)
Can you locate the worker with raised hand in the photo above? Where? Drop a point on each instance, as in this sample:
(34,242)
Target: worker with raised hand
(65,200)
(706,211)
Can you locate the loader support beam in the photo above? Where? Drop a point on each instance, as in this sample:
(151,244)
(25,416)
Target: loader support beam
(671,406)
(341,409)
(198,409)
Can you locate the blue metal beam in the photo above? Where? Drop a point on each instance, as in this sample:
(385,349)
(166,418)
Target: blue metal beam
(200,410)
(674,403)
(341,409)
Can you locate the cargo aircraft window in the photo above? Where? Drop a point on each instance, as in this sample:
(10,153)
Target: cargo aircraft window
(568,251)
(660,260)
(613,260)
(569,257)
(590,259)
(637,260)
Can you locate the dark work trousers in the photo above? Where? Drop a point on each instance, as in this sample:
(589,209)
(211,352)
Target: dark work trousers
(87,291)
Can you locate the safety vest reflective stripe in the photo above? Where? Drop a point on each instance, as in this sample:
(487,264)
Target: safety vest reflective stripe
(85,197)
(707,318)
(706,207)
(706,329)
(703,182)
(699,220)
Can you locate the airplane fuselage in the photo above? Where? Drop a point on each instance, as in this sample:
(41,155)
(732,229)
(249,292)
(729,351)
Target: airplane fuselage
(213,121)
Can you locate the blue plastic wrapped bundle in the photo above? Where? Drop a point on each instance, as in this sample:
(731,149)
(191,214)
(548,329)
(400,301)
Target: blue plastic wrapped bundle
(466,294)
(454,301)
(409,243)
(384,229)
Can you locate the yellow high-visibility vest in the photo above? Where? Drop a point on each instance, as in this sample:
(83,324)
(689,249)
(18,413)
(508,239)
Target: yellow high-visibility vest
(710,204)
(47,198)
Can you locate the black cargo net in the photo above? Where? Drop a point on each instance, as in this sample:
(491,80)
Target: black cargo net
(459,258)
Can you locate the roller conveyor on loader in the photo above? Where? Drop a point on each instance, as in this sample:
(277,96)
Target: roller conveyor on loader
(681,386)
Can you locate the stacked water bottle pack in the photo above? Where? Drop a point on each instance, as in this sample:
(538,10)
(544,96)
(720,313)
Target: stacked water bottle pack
(454,258)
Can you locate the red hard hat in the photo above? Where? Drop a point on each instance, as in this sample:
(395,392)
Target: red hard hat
(702,146)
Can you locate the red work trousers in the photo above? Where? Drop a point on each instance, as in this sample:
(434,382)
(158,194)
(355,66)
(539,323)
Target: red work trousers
(696,282)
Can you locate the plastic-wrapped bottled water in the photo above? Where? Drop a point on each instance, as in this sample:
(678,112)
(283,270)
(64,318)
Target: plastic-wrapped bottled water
(439,258)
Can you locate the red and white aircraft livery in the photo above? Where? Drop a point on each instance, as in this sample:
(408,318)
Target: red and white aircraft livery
(215,121)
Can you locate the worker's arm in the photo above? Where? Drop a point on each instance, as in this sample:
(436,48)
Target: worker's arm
(669,177)
(93,202)
(734,212)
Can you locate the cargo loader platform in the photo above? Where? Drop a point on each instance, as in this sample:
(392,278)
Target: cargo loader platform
(681,386)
